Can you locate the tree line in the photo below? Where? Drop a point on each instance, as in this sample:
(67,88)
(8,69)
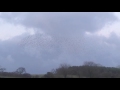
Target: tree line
(87,70)
(19,73)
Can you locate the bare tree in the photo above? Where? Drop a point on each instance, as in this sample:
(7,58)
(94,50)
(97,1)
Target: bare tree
(21,70)
(2,69)
(90,63)
(53,71)
(90,69)
(49,75)
(118,66)
(63,70)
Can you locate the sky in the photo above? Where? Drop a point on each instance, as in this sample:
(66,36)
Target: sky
(41,41)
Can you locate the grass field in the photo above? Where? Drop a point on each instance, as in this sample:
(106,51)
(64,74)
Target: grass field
(41,76)
(8,77)
(33,76)
(37,75)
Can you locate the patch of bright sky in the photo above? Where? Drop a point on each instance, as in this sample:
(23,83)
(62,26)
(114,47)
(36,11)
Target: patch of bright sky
(109,28)
(117,14)
(10,30)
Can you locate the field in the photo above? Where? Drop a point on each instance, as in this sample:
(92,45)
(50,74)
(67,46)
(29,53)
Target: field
(8,77)
(37,75)
(33,76)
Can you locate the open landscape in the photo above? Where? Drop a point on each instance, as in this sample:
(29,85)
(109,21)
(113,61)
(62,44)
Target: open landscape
(59,44)
(87,70)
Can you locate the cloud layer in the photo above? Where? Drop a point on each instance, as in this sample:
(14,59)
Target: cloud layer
(40,41)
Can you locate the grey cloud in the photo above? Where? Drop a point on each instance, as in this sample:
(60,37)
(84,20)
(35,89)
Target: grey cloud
(68,43)
(62,23)
(68,23)
(42,59)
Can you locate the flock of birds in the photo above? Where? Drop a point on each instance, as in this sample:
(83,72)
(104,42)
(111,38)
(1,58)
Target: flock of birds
(43,43)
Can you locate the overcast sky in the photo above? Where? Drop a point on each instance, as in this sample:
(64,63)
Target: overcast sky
(41,41)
